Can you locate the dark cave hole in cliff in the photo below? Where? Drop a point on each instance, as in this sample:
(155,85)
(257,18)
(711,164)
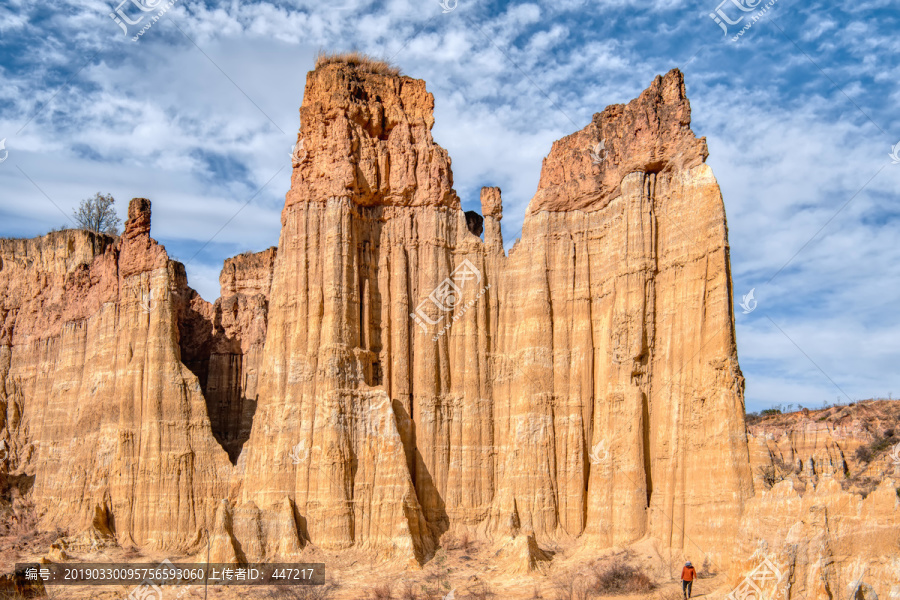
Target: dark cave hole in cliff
(475,223)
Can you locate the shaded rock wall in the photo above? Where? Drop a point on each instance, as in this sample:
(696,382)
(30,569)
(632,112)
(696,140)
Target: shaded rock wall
(233,331)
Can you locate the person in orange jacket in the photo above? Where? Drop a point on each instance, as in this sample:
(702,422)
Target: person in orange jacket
(688,574)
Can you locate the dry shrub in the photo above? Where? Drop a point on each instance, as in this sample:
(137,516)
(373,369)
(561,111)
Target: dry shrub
(408,591)
(434,592)
(381,592)
(437,577)
(618,577)
(779,470)
(571,586)
(20,520)
(864,485)
(357,61)
(464,541)
(304,592)
(428,591)
(457,542)
(479,591)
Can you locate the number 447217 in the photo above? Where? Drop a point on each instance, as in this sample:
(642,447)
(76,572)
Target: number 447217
(292,574)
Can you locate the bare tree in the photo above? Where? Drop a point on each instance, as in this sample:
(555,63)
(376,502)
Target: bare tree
(98,214)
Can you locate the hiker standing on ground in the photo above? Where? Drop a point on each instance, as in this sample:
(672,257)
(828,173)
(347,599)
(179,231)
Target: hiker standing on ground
(688,574)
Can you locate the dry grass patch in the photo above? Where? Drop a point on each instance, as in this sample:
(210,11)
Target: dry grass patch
(457,542)
(410,590)
(357,61)
(619,577)
(479,591)
(303,592)
(669,594)
(381,592)
(571,586)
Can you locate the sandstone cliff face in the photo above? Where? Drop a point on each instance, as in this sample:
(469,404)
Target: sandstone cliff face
(650,134)
(98,406)
(371,213)
(825,542)
(852,442)
(616,306)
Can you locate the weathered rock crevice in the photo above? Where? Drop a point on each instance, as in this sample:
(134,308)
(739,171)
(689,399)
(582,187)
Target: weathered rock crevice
(222,343)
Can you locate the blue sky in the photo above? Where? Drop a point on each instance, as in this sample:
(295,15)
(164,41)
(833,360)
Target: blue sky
(200,114)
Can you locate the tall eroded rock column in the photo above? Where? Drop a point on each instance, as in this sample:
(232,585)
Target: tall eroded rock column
(620,317)
(348,426)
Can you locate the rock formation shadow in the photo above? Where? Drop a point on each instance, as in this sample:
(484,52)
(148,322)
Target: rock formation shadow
(217,360)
